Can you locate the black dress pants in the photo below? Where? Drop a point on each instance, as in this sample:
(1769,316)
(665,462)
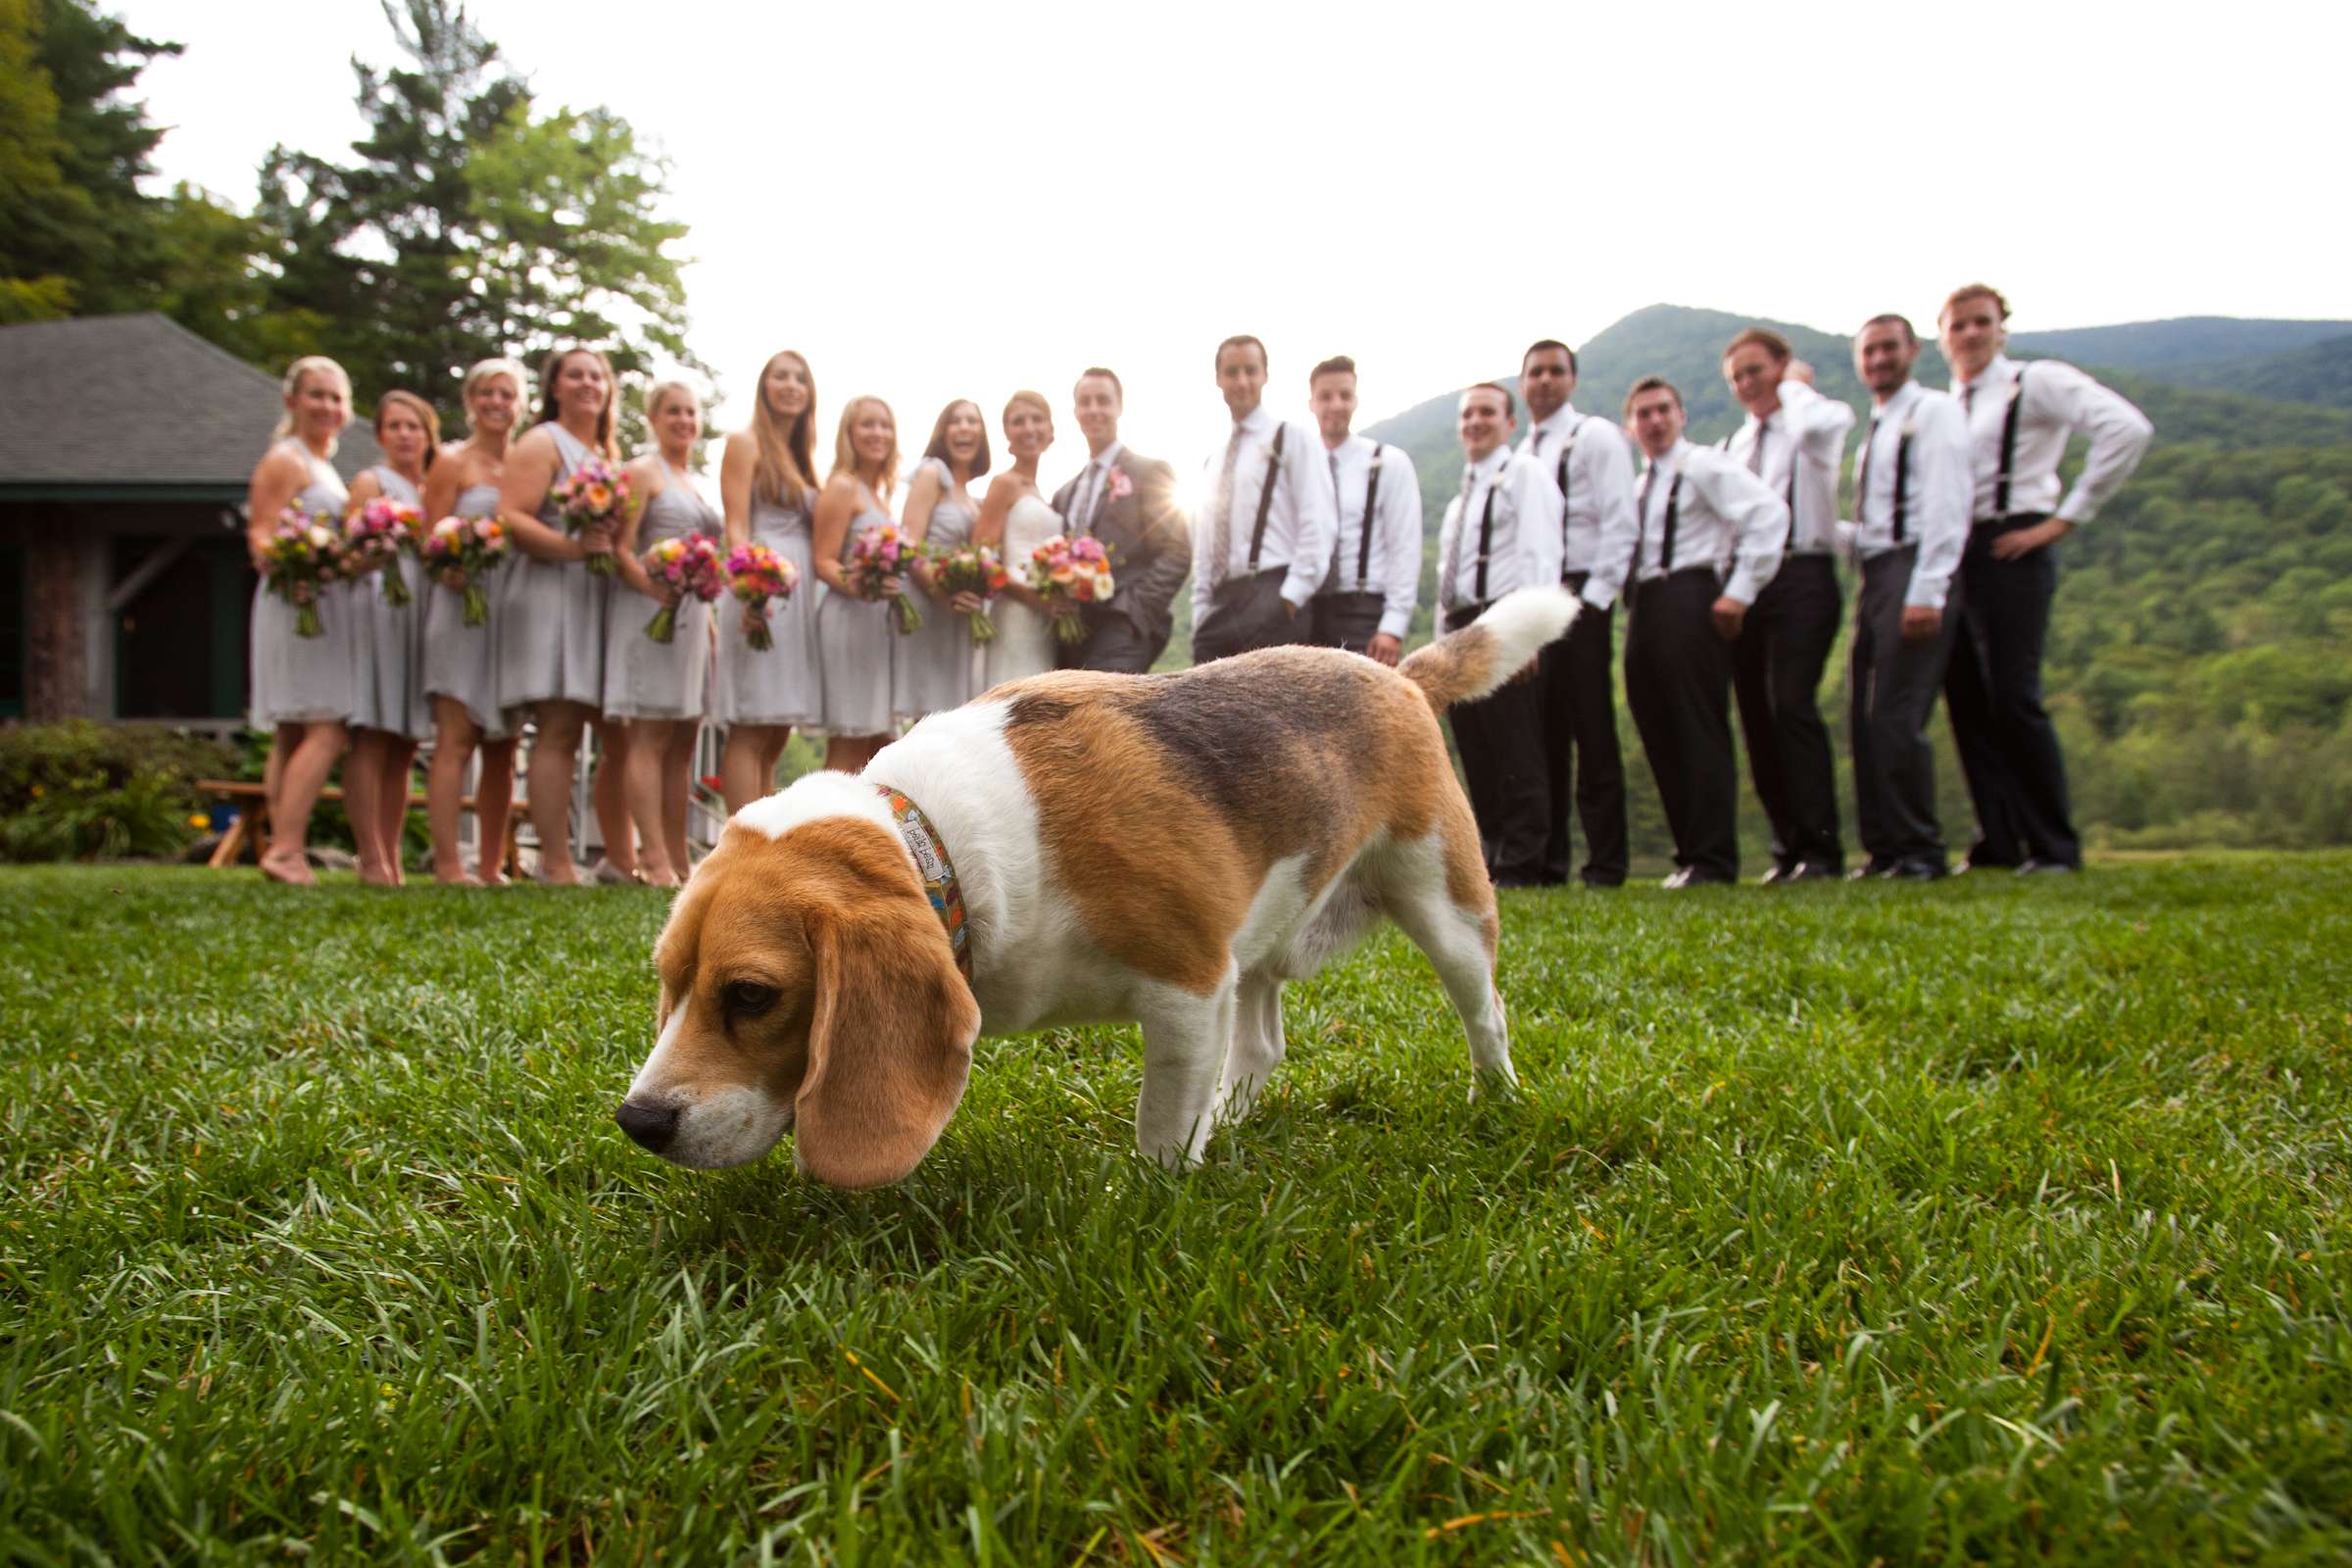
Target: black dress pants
(1348,620)
(1581,763)
(1248,613)
(2008,746)
(1678,681)
(1501,741)
(1894,684)
(1775,675)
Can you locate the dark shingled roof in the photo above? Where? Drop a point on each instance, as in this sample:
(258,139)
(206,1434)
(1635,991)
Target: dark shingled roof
(137,400)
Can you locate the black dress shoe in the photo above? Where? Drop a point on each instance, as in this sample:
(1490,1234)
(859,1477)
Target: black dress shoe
(1919,869)
(1814,871)
(1777,875)
(1983,862)
(1602,883)
(1873,868)
(1694,877)
(2034,868)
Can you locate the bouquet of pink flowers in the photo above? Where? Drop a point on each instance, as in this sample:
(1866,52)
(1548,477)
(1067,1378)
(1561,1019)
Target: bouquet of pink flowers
(596,492)
(878,554)
(688,563)
(972,569)
(756,574)
(303,554)
(372,539)
(1070,571)
(460,552)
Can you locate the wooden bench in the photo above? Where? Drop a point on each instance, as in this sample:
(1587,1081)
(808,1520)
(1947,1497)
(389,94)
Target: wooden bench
(255,818)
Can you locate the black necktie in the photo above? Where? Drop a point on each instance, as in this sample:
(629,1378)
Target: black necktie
(1756,453)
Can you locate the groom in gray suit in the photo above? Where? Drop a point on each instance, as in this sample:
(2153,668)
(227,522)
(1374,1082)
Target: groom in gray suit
(1129,502)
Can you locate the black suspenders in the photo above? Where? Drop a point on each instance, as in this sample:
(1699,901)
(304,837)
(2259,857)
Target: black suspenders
(1562,478)
(1363,545)
(1486,531)
(1902,472)
(2000,487)
(1266,498)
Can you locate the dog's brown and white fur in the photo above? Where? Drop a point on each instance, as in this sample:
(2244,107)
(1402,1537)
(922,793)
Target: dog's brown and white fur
(1164,848)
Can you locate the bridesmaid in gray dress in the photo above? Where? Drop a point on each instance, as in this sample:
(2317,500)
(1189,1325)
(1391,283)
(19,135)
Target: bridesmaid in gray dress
(301,686)
(656,689)
(936,666)
(551,639)
(854,636)
(460,663)
(767,482)
(389,713)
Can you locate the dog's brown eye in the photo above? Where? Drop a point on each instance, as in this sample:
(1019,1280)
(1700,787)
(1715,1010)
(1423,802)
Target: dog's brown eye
(748,999)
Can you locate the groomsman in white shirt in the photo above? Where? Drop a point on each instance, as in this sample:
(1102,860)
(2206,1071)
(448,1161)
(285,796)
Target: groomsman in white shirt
(1794,440)
(1590,464)
(1502,533)
(1366,602)
(2020,417)
(1711,537)
(1911,495)
(1263,540)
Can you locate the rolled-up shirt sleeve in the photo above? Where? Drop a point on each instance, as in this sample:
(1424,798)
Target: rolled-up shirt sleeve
(1758,520)
(1536,505)
(2118,432)
(1314,516)
(1606,459)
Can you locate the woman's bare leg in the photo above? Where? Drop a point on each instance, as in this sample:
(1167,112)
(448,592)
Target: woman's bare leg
(392,803)
(553,756)
(493,805)
(677,790)
(454,741)
(607,791)
(642,765)
(308,768)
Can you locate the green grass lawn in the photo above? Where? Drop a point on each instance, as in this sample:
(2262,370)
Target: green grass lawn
(1980,1222)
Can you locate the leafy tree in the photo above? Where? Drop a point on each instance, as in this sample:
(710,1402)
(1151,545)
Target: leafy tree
(468,222)
(79,237)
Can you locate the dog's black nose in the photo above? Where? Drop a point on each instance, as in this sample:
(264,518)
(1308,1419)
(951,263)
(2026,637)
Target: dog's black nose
(652,1126)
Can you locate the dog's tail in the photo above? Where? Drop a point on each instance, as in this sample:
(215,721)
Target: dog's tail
(1472,662)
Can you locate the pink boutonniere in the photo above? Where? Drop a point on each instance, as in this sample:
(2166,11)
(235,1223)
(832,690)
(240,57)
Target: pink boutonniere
(1120,486)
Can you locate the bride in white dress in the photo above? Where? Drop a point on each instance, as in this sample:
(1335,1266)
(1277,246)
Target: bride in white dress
(1015,518)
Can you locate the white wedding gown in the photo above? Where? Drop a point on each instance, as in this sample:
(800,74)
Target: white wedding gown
(1024,643)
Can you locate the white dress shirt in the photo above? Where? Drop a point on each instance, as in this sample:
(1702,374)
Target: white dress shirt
(1523,542)
(1394,567)
(2059,402)
(1804,440)
(1600,529)
(1090,482)
(1935,487)
(1721,513)
(1300,522)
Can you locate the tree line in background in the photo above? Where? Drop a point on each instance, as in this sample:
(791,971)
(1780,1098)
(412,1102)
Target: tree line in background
(468,220)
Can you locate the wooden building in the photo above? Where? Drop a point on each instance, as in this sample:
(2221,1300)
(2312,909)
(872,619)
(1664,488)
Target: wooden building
(125,444)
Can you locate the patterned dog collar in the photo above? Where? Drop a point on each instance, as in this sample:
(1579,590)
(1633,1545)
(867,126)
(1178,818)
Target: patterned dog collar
(938,872)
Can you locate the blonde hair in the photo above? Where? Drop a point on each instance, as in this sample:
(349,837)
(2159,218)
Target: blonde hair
(787,455)
(845,453)
(654,393)
(1032,400)
(485,370)
(1975,291)
(296,373)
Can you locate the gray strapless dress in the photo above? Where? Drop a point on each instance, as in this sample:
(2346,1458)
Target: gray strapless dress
(388,677)
(781,686)
(855,648)
(933,667)
(305,680)
(644,678)
(461,661)
(551,633)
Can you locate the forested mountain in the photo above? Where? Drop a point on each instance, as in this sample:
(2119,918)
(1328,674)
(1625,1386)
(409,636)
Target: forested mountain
(2201,661)
(2319,372)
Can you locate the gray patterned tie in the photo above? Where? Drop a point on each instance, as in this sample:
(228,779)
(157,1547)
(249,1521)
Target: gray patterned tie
(1220,560)
(1452,566)
(1756,453)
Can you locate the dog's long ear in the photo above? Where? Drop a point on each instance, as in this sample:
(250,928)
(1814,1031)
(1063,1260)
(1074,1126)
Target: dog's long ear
(890,1044)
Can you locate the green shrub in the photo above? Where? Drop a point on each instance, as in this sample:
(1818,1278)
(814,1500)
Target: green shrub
(87,791)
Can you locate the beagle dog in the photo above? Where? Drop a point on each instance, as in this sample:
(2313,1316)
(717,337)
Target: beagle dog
(1075,847)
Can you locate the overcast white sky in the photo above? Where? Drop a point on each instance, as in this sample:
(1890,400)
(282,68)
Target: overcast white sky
(935,201)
